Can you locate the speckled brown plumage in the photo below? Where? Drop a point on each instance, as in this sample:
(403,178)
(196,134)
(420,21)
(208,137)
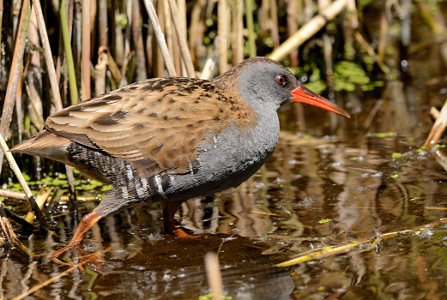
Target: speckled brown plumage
(155,125)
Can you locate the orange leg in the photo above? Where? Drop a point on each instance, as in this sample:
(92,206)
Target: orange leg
(85,225)
(169,210)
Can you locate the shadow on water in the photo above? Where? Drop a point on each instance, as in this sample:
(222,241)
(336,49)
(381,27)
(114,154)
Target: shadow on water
(313,192)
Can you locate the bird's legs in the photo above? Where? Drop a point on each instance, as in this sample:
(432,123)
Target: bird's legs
(85,225)
(87,222)
(169,210)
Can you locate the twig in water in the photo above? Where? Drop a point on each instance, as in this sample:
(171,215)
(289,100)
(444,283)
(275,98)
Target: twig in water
(9,234)
(28,227)
(438,128)
(41,198)
(329,251)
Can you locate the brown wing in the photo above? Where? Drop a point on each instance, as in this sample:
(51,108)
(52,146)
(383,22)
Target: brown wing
(155,125)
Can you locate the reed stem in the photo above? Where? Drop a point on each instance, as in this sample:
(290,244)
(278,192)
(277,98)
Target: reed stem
(16,67)
(251,28)
(68,54)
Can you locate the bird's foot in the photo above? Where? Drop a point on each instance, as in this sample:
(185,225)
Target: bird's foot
(95,258)
(55,255)
(85,225)
(171,226)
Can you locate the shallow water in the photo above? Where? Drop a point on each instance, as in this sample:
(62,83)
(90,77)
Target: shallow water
(341,182)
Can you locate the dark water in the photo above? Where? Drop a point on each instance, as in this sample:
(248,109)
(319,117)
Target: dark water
(337,184)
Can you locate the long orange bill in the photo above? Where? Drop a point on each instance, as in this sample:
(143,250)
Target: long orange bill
(304,95)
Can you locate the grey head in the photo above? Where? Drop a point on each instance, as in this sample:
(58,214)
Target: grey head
(266,85)
(260,82)
(263,82)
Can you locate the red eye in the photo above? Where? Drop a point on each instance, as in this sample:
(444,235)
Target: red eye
(281,80)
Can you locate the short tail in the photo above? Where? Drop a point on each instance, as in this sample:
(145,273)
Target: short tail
(45,144)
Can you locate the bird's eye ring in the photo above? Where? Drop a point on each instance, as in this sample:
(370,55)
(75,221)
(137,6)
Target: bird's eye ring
(281,80)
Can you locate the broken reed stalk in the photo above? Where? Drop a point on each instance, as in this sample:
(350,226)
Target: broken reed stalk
(207,69)
(58,276)
(181,37)
(100,71)
(85,55)
(329,251)
(6,227)
(16,67)
(68,54)
(438,128)
(41,199)
(111,64)
(27,227)
(250,28)
(214,276)
(9,234)
(160,38)
(29,196)
(308,30)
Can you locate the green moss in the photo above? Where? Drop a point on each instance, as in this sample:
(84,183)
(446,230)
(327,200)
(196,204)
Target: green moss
(385,134)
(396,155)
(348,75)
(324,221)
